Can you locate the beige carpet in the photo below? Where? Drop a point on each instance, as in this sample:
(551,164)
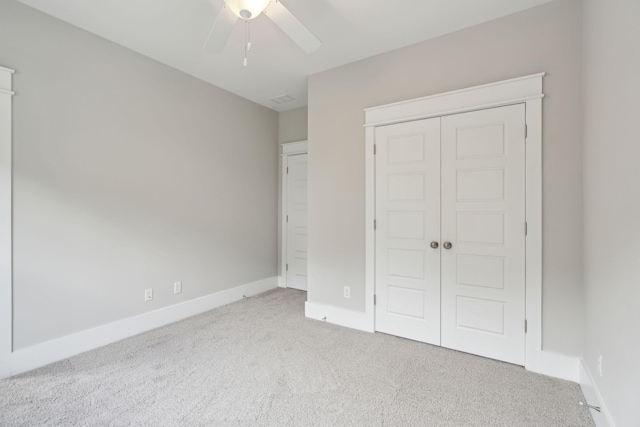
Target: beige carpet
(259,362)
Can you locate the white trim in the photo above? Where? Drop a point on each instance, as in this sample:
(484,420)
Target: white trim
(7,70)
(519,90)
(288,149)
(369,233)
(6,221)
(517,87)
(298,147)
(338,316)
(529,89)
(457,111)
(534,361)
(556,365)
(61,348)
(282,280)
(593,397)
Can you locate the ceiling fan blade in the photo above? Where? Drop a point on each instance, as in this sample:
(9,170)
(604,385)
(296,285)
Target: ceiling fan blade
(292,27)
(220,31)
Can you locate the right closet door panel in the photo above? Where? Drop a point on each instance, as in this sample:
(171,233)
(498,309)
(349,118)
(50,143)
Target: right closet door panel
(483,232)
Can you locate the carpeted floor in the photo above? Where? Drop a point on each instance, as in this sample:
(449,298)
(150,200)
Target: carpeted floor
(260,362)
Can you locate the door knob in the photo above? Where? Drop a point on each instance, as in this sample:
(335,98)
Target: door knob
(434,245)
(447,245)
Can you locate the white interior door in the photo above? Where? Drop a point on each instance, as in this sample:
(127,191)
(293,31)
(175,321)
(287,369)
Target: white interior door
(483,217)
(297,222)
(407,220)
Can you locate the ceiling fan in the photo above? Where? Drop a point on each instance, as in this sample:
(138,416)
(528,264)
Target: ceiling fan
(248,10)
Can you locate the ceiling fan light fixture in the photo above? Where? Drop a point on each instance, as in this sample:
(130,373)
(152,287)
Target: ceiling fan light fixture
(247,9)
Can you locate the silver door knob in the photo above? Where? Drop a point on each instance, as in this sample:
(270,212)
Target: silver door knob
(434,245)
(447,245)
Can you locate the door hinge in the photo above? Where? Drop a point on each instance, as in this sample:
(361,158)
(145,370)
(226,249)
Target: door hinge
(287,218)
(374,300)
(375,224)
(525,326)
(287,169)
(526,228)
(287,267)
(526,131)
(374,149)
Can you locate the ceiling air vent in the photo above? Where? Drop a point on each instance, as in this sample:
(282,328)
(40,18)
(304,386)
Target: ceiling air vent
(282,99)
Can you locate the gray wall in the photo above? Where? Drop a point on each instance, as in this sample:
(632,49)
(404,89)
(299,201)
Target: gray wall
(127,175)
(612,202)
(547,38)
(292,127)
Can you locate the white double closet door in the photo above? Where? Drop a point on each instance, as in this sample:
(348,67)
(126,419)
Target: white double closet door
(450,234)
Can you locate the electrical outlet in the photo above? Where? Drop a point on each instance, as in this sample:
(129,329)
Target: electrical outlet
(600,365)
(148,294)
(177,288)
(347,292)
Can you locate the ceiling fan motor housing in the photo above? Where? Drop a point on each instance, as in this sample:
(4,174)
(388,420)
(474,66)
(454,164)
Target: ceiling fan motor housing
(247,9)
(250,9)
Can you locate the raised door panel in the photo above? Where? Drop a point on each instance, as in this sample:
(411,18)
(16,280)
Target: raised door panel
(297,222)
(483,216)
(408,219)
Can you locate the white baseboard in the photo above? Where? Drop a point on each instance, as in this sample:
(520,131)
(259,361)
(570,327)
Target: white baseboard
(61,348)
(339,316)
(544,362)
(554,365)
(5,365)
(593,397)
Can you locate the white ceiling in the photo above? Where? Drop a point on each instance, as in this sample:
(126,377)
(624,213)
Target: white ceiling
(174,31)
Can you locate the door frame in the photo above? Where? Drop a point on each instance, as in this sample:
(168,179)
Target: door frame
(6,221)
(287,149)
(522,90)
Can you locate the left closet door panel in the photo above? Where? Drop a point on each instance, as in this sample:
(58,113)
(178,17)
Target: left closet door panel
(407,221)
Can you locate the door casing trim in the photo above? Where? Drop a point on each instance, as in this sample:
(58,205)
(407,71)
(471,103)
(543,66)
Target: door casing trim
(527,90)
(6,222)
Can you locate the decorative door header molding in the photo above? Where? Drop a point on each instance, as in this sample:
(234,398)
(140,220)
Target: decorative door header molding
(5,81)
(497,94)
